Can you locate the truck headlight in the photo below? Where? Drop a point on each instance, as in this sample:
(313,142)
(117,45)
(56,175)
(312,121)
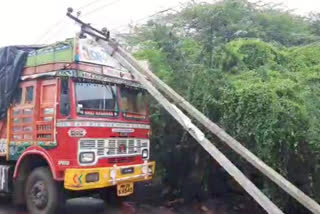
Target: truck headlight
(145,154)
(87,157)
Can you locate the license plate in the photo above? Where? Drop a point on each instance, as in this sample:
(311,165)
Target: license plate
(127,170)
(124,189)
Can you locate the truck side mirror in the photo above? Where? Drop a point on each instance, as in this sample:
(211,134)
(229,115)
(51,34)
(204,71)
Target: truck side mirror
(64,98)
(64,104)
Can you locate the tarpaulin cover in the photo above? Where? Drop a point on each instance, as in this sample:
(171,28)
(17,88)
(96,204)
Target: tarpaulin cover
(12,61)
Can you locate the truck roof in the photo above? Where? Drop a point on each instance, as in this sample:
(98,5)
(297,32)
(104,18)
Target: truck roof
(78,58)
(75,57)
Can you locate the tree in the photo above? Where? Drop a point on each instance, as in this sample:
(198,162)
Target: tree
(252,69)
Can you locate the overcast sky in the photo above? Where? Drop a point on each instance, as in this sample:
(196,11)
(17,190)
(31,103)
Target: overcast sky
(41,21)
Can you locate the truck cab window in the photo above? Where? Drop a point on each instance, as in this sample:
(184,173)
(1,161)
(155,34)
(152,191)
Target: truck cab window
(29,94)
(64,98)
(95,99)
(133,102)
(17,97)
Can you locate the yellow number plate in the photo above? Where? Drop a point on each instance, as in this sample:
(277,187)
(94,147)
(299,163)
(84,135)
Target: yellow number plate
(124,189)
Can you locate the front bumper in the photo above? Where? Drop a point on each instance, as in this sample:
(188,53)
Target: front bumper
(76,179)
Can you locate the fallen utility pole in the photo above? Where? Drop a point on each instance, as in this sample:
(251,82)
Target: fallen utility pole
(283,183)
(152,82)
(199,136)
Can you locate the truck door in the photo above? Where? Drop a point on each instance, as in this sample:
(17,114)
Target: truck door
(32,117)
(45,125)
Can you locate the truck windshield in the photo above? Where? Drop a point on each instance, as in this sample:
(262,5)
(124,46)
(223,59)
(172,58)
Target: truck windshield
(133,103)
(96,99)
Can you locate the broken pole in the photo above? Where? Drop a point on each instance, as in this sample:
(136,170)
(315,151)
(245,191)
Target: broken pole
(199,136)
(283,183)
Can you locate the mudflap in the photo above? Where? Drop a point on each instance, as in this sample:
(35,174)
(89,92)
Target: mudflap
(5,179)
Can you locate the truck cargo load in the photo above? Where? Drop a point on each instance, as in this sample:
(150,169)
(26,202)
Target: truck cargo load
(12,61)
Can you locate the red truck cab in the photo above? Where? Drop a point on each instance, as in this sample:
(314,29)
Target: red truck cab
(78,121)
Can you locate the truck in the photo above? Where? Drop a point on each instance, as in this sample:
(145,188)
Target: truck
(77,123)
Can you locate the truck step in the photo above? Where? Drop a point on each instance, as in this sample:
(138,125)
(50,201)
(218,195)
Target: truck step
(5,178)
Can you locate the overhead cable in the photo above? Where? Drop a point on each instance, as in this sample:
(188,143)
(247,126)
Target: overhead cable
(100,8)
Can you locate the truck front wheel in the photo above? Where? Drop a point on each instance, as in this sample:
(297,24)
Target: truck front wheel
(43,194)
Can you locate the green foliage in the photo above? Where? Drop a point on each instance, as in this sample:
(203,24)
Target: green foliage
(158,62)
(266,112)
(284,28)
(248,54)
(253,70)
(314,20)
(305,58)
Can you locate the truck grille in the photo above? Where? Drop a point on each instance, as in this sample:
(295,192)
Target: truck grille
(87,144)
(121,160)
(114,146)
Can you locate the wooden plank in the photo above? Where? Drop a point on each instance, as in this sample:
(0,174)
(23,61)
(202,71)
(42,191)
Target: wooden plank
(198,135)
(292,190)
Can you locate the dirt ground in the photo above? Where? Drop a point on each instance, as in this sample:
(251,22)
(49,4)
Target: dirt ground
(148,200)
(95,206)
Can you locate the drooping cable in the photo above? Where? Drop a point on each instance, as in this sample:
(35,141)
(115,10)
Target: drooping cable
(88,5)
(147,17)
(100,8)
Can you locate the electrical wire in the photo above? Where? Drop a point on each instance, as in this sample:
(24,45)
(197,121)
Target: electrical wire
(88,4)
(157,13)
(147,17)
(54,34)
(48,31)
(61,21)
(100,8)
(51,28)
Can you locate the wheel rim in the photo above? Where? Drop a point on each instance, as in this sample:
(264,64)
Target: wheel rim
(39,195)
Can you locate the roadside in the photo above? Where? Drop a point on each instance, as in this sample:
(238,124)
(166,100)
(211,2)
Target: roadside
(148,199)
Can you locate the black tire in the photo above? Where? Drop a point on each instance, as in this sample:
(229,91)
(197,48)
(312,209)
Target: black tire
(43,194)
